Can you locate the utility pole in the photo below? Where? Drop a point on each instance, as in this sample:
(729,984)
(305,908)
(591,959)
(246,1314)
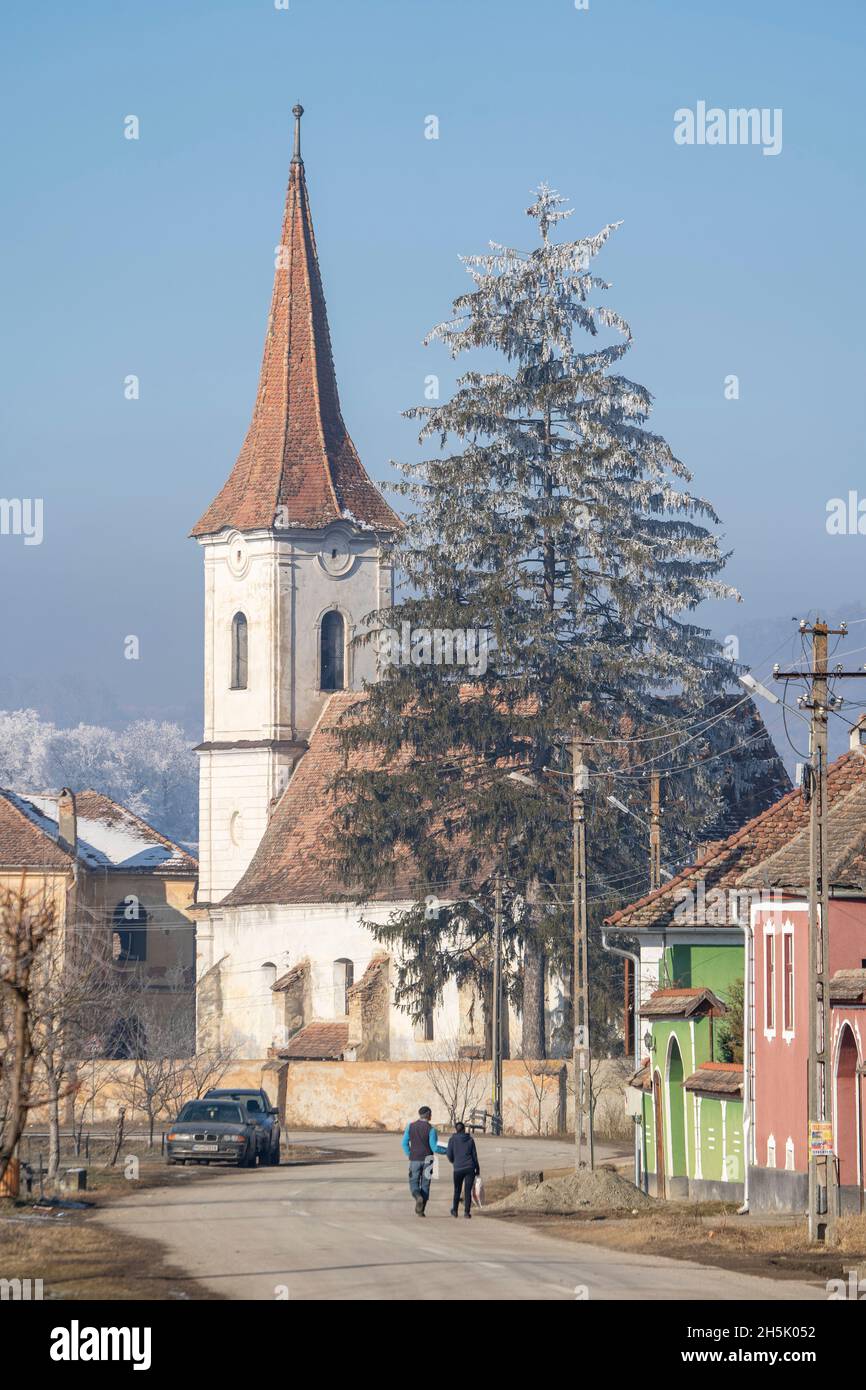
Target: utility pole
(823,1185)
(496,1011)
(584,1157)
(655,841)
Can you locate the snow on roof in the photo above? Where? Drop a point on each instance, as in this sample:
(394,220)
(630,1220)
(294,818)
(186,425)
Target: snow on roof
(109,835)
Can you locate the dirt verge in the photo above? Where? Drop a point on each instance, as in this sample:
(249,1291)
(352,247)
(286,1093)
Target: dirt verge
(709,1234)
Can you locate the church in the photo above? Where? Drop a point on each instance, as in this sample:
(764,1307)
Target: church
(295,557)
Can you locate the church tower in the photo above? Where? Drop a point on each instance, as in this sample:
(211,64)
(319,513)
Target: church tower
(293,561)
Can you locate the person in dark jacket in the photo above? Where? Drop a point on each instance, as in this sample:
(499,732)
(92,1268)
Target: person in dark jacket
(420,1145)
(464,1155)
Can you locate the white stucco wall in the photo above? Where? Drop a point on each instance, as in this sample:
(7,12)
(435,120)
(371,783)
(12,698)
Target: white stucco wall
(248,940)
(283,583)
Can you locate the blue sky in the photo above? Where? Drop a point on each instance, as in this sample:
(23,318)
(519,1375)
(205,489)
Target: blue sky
(155,257)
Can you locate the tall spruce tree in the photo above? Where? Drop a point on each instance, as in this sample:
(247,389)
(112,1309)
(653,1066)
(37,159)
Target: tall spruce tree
(551,518)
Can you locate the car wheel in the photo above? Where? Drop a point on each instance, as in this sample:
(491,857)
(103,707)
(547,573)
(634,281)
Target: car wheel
(274,1157)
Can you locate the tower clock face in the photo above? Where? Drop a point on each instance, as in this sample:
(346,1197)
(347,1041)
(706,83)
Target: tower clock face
(335,554)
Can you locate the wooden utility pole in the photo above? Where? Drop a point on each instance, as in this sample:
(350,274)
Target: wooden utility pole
(584,1151)
(823,1184)
(655,831)
(496,1010)
(821,1170)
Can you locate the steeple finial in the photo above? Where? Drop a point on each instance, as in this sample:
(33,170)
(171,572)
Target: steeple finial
(297,112)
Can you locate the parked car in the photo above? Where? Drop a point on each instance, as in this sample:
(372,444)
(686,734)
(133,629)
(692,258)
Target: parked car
(258,1107)
(214,1131)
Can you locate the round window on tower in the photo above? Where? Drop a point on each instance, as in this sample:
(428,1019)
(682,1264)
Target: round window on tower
(237,554)
(236,829)
(335,553)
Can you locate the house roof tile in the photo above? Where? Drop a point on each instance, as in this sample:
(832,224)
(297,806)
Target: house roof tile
(680,1003)
(318,1042)
(716,1078)
(848,987)
(109,836)
(745,860)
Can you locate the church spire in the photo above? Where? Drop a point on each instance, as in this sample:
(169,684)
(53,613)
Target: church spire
(298,466)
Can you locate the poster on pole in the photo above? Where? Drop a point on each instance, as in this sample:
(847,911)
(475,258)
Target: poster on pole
(820,1139)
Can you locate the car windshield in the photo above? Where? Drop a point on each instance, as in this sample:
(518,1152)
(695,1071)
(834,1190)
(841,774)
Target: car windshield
(212,1112)
(254,1104)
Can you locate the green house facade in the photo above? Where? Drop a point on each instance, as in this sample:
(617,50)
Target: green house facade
(690,1107)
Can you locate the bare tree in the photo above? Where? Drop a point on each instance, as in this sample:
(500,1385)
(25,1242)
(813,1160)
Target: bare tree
(25,924)
(74,991)
(458,1080)
(543,1081)
(158,1038)
(92,1076)
(196,1075)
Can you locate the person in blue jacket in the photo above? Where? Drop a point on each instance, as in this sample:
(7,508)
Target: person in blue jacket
(420,1143)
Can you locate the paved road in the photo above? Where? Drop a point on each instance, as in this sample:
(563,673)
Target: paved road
(348,1231)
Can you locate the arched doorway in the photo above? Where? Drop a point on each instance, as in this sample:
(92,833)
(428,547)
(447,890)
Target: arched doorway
(676,1112)
(848,1131)
(658,1126)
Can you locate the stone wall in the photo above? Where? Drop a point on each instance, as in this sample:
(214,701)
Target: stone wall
(376,1095)
(384,1095)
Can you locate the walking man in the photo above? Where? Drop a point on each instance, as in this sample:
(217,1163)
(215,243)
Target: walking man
(464,1155)
(420,1144)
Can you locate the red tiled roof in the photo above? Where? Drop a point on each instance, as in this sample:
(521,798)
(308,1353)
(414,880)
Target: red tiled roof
(26,844)
(680,1003)
(110,836)
(297,454)
(716,1078)
(848,987)
(788,868)
(642,1078)
(742,859)
(318,1042)
(294,862)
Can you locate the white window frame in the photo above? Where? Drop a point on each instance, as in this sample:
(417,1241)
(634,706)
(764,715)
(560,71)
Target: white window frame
(769,936)
(788,933)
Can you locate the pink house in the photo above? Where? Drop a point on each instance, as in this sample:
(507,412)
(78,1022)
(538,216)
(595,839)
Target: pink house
(777,994)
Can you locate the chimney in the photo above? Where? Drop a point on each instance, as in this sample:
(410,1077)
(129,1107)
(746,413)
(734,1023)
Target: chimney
(67,823)
(857,741)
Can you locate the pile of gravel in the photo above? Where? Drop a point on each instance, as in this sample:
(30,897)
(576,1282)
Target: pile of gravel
(599,1190)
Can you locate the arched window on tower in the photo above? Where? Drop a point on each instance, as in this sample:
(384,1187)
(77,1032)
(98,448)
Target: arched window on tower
(239,652)
(332,658)
(344,978)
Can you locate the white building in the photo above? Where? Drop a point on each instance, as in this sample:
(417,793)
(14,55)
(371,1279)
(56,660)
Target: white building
(294,560)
